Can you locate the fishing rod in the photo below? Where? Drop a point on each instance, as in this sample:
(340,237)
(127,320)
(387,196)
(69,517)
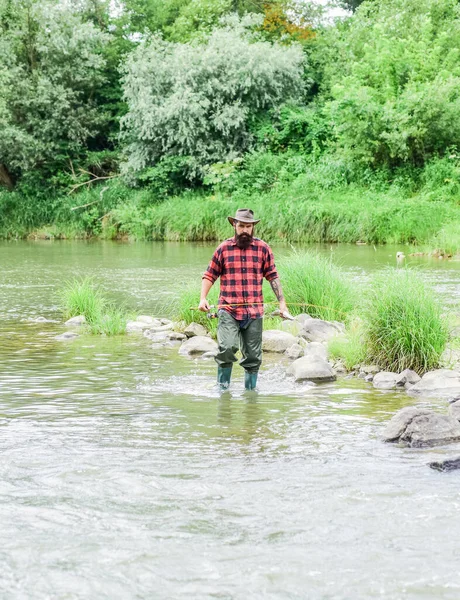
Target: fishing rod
(289,316)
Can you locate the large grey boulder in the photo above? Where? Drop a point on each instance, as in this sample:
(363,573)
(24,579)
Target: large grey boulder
(418,427)
(77,321)
(315,349)
(407,377)
(316,330)
(311,368)
(274,340)
(385,380)
(442,383)
(198,344)
(195,329)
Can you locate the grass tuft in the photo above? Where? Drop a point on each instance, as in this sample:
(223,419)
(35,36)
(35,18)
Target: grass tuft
(403,323)
(312,284)
(82,297)
(350,347)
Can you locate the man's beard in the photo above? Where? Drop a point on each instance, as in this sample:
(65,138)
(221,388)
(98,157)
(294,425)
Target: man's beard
(243,241)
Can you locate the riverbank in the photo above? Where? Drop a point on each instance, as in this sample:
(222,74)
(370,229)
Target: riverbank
(298,212)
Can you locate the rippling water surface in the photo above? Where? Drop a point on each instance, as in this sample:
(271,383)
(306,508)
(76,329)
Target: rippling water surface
(124,475)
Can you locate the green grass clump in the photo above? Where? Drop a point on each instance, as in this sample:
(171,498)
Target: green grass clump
(350,348)
(403,323)
(82,297)
(446,242)
(312,284)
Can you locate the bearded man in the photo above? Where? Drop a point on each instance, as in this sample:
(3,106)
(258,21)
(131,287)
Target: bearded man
(241,262)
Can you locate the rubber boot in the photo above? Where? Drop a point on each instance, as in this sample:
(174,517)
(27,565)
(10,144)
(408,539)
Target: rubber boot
(250,380)
(224,375)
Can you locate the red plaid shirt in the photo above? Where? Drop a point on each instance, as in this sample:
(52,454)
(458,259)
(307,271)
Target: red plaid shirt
(241,273)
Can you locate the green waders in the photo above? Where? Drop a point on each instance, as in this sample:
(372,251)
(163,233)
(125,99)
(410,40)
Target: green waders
(234,335)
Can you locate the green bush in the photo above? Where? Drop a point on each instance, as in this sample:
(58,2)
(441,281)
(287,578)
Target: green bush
(313,284)
(403,323)
(82,297)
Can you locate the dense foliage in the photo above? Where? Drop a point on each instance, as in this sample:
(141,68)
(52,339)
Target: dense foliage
(197,101)
(243,101)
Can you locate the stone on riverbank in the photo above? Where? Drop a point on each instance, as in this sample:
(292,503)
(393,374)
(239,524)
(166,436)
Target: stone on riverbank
(311,368)
(385,380)
(195,329)
(76,321)
(407,377)
(419,427)
(198,344)
(295,351)
(316,330)
(274,340)
(442,383)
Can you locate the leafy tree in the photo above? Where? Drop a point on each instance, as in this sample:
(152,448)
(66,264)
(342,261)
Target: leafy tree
(180,20)
(395,82)
(198,100)
(51,68)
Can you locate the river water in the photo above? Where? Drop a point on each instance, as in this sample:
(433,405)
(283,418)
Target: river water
(124,475)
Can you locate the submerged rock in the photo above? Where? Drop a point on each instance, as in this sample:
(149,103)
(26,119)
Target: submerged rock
(68,335)
(419,427)
(311,368)
(451,464)
(441,383)
(198,344)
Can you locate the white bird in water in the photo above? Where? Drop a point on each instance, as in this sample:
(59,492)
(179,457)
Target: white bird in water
(400,256)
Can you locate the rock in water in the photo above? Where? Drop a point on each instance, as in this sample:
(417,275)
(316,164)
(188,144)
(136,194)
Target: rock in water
(419,427)
(311,368)
(451,464)
(198,344)
(274,340)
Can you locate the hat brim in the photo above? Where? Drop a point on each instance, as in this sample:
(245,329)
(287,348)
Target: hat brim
(232,220)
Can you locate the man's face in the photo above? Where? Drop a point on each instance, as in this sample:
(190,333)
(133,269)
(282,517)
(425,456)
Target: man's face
(243,234)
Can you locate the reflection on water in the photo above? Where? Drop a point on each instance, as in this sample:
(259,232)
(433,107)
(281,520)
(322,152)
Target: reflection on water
(124,474)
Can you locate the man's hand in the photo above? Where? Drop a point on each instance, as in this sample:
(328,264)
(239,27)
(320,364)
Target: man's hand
(283,307)
(204,305)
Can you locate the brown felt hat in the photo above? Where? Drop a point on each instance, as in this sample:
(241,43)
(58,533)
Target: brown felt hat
(244,215)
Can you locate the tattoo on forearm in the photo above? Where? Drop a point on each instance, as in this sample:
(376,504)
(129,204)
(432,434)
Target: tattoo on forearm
(276,287)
